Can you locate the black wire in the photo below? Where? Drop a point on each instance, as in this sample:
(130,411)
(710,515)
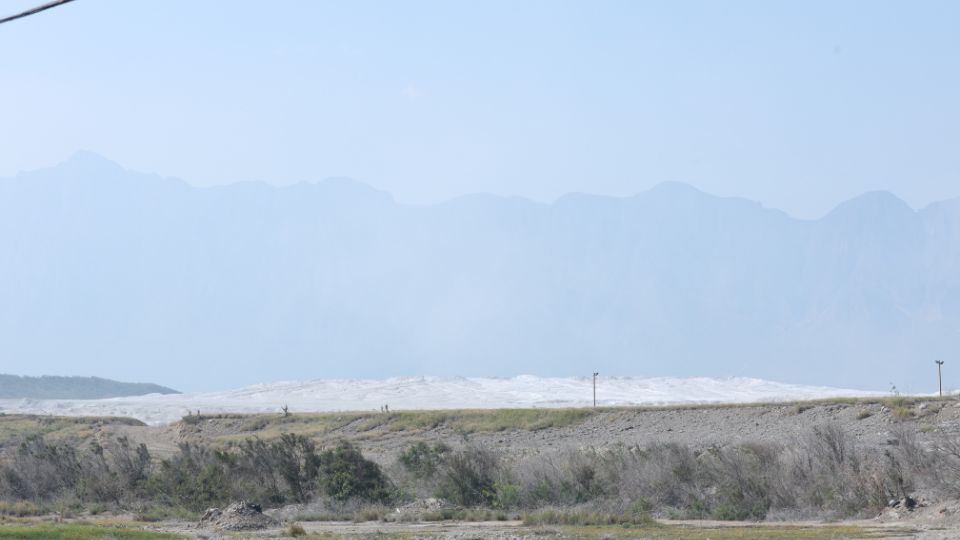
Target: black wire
(32,11)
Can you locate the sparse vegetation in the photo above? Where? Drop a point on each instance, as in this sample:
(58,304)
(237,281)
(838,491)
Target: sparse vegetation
(466,422)
(553,516)
(423,460)
(295,530)
(470,477)
(819,474)
(79,531)
(902,413)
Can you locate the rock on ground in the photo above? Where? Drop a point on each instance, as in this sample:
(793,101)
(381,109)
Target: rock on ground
(239,516)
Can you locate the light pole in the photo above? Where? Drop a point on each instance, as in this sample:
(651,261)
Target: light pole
(940,375)
(595,389)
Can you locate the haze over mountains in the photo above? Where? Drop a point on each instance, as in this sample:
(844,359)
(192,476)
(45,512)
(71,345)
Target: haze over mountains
(139,277)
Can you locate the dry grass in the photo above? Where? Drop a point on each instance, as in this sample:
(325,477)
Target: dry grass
(491,420)
(902,413)
(14,428)
(224,428)
(240,426)
(745,532)
(267,426)
(81,531)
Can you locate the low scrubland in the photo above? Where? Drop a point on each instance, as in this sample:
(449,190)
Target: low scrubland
(822,474)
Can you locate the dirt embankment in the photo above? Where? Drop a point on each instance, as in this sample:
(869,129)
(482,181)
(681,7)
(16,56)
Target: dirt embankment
(524,432)
(873,423)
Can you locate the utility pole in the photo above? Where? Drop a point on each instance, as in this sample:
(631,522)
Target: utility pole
(940,375)
(595,389)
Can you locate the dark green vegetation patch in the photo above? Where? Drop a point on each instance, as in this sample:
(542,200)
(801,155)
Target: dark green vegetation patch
(51,387)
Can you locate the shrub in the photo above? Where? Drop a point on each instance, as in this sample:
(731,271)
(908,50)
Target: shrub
(505,495)
(285,469)
(469,476)
(41,471)
(295,530)
(822,473)
(196,478)
(744,476)
(369,514)
(346,474)
(422,460)
(902,413)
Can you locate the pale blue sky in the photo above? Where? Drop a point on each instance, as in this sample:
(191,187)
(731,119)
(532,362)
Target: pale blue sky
(798,105)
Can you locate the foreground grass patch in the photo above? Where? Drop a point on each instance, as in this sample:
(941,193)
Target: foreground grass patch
(775,532)
(81,532)
(559,517)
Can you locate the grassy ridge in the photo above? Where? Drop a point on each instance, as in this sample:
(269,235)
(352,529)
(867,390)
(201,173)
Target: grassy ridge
(267,426)
(56,428)
(239,426)
(462,420)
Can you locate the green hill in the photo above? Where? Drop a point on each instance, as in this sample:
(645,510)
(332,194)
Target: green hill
(53,387)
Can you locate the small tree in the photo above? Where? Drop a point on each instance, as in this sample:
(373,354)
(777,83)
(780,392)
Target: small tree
(346,474)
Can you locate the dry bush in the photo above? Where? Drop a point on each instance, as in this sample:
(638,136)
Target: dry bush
(745,477)
(944,464)
(295,530)
(902,413)
(820,474)
(828,476)
(667,475)
(469,476)
(42,472)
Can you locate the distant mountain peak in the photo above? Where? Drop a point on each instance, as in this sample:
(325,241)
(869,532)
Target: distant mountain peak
(88,161)
(672,187)
(345,183)
(872,203)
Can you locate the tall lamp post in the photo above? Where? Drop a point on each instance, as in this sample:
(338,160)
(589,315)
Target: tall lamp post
(595,389)
(940,375)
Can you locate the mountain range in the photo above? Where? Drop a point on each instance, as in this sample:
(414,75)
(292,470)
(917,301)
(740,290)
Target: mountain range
(106,270)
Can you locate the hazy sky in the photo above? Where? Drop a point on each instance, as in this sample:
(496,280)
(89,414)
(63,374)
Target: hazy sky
(798,105)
